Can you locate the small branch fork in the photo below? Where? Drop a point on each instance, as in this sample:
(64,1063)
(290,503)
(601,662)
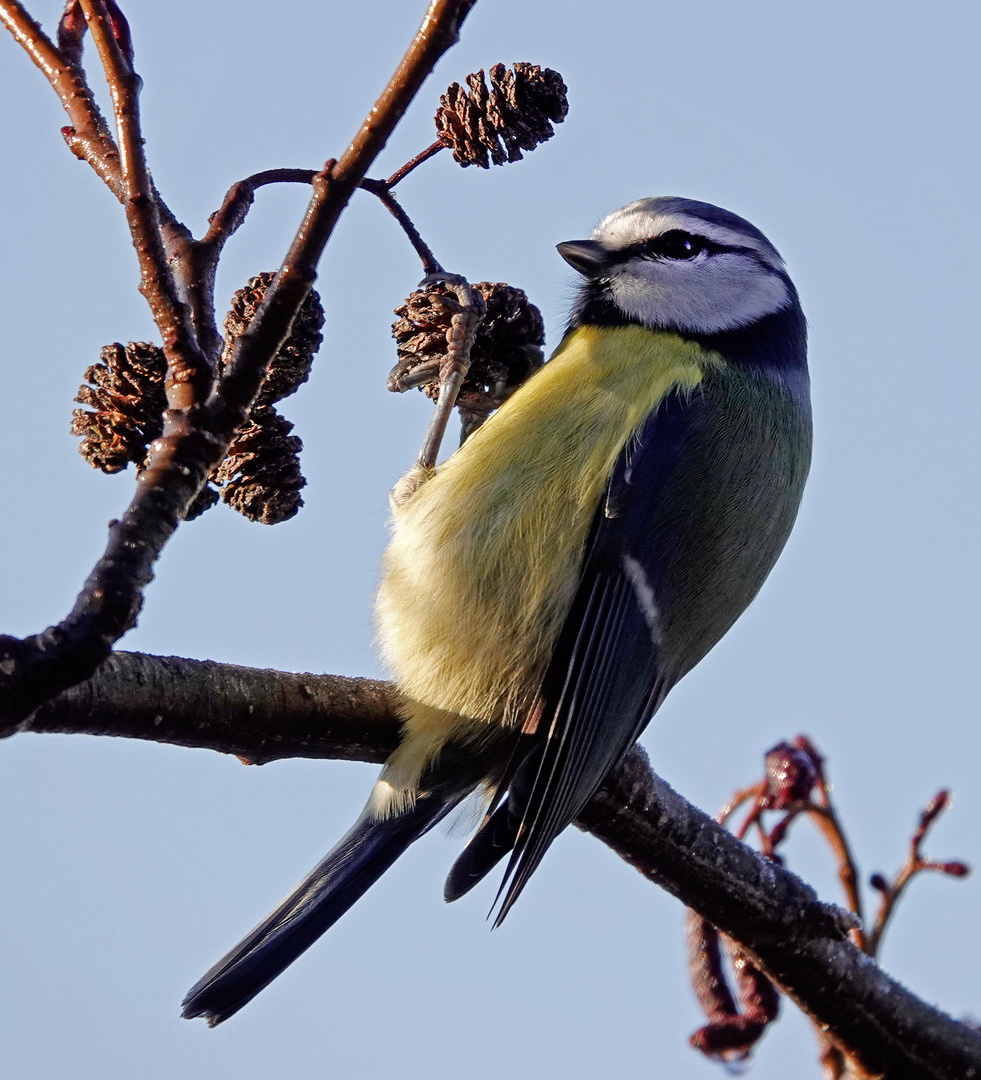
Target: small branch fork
(780,925)
(915,864)
(795,784)
(176,277)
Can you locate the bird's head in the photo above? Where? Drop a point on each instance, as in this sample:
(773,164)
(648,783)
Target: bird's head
(677,264)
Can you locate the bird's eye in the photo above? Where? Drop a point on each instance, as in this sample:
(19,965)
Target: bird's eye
(678,245)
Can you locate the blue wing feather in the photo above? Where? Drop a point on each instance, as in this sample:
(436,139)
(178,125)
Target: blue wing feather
(604,680)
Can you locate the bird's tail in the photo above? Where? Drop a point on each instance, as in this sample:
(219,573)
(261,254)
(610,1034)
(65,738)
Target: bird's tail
(340,879)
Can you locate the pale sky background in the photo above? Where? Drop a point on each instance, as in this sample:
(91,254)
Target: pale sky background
(848,132)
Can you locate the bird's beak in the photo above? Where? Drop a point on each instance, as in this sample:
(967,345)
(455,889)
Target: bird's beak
(586,256)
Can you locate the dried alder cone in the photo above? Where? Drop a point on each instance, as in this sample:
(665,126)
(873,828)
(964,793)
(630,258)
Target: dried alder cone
(507,349)
(290,367)
(126,392)
(260,476)
(492,126)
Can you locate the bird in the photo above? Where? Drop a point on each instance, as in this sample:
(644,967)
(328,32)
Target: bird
(578,555)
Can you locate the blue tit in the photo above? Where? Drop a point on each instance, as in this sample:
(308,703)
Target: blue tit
(576,557)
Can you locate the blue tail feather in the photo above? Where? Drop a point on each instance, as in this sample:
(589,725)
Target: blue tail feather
(337,882)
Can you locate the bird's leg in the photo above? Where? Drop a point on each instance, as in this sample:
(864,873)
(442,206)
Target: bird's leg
(467,311)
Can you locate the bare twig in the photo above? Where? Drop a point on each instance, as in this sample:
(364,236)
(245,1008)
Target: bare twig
(829,824)
(430,151)
(380,188)
(336,183)
(34,669)
(239,198)
(795,939)
(915,864)
(88,137)
(195,262)
(189,374)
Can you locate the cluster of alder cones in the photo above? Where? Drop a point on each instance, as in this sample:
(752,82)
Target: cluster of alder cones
(260,475)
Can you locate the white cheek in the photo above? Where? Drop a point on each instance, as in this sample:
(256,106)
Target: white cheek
(703,296)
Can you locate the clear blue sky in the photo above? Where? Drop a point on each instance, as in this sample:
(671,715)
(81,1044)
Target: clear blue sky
(849,134)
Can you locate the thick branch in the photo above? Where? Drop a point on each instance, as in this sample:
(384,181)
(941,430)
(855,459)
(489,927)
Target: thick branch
(254,713)
(799,941)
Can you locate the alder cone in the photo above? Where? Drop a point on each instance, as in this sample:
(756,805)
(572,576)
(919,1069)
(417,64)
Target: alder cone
(260,476)
(290,368)
(125,392)
(487,126)
(506,351)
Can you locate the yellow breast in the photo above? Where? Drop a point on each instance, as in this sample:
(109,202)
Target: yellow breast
(485,556)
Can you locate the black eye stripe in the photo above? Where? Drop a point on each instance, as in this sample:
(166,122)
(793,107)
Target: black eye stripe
(649,249)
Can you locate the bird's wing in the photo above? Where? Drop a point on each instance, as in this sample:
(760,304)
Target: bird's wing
(604,680)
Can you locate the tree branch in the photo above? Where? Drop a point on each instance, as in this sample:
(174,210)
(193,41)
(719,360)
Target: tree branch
(800,942)
(196,435)
(88,137)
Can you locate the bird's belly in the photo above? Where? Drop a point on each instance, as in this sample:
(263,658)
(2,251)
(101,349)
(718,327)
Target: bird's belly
(485,557)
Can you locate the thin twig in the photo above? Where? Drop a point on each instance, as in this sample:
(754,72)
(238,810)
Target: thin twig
(398,176)
(189,375)
(737,800)
(88,137)
(829,824)
(332,190)
(380,188)
(915,864)
(195,262)
(239,198)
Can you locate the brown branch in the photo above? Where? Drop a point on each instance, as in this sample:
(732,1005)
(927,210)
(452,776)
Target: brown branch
(430,151)
(915,864)
(799,942)
(380,188)
(255,713)
(88,137)
(189,374)
(196,436)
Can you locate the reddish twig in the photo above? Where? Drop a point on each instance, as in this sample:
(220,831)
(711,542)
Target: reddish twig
(399,175)
(88,137)
(732,1030)
(333,188)
(195,262)
(915,864)
(239,198)
(381,189)
(189,374)
(827,821)
(796,783)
